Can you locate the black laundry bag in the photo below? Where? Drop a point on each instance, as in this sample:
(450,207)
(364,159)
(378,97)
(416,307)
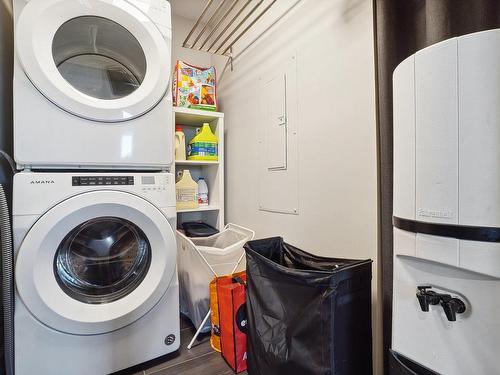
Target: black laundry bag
(307,315)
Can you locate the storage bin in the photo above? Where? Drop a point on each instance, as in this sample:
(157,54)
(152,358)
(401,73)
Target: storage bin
(202,259)
(307,315)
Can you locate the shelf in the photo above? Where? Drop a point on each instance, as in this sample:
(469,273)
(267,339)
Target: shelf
(211,170)
(200,209)
(196,162)
(195,117)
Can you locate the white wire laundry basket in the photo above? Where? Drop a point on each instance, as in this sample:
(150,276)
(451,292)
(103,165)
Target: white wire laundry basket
(202,259)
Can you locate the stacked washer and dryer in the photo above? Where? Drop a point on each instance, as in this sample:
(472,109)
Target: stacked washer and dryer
(93,202)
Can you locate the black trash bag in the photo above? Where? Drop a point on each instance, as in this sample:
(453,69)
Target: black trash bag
(307,315)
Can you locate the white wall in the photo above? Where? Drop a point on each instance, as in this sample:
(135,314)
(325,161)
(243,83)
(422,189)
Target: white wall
(333,41)
(334,45)
(180,29)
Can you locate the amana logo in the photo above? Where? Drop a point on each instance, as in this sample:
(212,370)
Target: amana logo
(40,182)
(442,214)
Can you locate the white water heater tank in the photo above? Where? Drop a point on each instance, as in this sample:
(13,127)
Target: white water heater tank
(446,296)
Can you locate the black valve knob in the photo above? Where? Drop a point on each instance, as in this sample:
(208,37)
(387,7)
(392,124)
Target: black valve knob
(426,297)
(424,287)
(452,306)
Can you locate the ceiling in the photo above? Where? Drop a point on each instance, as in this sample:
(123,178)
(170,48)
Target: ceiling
(188,8)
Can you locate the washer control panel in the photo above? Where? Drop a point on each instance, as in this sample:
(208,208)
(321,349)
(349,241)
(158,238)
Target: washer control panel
(102,180)
(154,183)
(35,192)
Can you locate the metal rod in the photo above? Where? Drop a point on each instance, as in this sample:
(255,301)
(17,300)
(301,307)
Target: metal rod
(249,26)
(217,10)
(229,10)
(229,25)
(197,22)
(239,25)
(236,57)
(198,331)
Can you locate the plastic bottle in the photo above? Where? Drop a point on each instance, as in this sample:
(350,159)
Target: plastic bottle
(180,143)
(186,191)
(204,146)
(202,192)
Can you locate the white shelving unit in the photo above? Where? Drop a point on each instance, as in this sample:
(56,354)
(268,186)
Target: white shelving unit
(212,171)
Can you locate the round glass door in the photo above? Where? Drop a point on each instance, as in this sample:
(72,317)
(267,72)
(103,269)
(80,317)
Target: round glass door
(99,57)
(102,260)
(101,60)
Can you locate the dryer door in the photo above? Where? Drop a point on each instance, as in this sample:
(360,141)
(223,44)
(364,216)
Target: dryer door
(103,60)
(96,262)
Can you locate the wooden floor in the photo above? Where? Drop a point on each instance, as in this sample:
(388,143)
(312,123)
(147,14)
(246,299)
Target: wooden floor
(200,360)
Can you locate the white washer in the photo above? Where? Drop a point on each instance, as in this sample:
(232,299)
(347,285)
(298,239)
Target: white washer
(92,84)
(96,276)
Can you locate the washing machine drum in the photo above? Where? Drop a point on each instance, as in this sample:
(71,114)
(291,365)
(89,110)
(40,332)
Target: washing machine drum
(98,59)
(102,260)
(96,262)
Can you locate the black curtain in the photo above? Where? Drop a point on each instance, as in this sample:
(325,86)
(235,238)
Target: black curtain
(403,27)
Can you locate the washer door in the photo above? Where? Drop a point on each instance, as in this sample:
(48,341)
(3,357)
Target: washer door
(96,262)
(103,60)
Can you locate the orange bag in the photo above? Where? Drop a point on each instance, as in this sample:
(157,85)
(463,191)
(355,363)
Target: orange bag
(214,307)
(231,296)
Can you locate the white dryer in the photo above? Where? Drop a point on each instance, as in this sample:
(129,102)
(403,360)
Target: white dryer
(95,271)
(92,84)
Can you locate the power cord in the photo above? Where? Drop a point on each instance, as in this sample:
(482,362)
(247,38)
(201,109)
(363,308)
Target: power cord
(9,160)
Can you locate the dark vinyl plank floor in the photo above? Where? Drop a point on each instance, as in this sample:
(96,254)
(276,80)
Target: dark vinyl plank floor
(200,360)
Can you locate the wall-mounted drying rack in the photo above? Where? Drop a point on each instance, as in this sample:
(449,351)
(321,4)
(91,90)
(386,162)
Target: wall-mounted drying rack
(223,23)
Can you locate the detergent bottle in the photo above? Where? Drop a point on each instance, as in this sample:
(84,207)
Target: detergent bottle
(202,192)
(186,191)
(180,143)
(204,146)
